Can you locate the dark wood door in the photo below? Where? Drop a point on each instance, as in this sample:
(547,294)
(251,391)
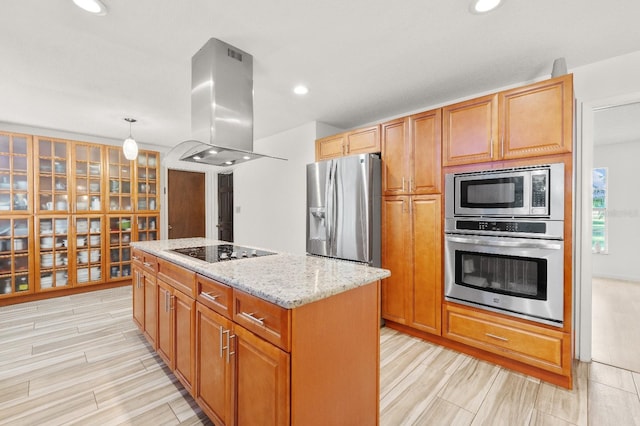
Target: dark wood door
(225,207)
(186,204)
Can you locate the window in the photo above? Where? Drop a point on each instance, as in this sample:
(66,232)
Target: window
(599,211)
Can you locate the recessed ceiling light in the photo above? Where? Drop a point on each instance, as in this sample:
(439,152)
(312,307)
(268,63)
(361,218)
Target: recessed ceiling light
(228,162)
(301,90)
(483,6)
(197,157)
(246,157)
(213,151)
(92,6)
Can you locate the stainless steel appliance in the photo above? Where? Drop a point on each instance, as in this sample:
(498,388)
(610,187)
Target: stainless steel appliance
(509,264)
(536,191)
(343,208)
(221,252)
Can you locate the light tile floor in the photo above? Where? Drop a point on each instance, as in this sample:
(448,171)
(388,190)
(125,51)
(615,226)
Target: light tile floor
(80,360)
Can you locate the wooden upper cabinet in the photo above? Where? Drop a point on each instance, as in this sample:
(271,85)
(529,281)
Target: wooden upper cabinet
(16,195)
(395,159)
(361,141)
(425,154)
(537,119)
(411,154)
(529,121)
(470,131)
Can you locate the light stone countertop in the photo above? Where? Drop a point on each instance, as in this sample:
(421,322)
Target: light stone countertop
(288,280)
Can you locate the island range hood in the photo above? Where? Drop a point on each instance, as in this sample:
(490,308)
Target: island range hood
(221,106)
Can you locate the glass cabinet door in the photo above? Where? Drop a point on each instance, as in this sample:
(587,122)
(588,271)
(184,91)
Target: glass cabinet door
(52,248)
(53,176)
(119,181)
(119,263)
(88,249)
(15,173)
(147,181)
(88,178)
(147,227)
(15,249)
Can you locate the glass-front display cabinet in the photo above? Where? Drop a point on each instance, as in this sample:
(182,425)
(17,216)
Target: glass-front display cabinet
(147,181)
(15,174)
(120,237)
(147,227)
(88,246)
(53,248)
(15,256)
(87,161)
(52,158)
(119,190)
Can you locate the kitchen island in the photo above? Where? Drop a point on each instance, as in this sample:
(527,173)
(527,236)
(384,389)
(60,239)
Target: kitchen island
(277,339)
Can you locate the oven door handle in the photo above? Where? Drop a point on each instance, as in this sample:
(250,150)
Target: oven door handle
(516,244)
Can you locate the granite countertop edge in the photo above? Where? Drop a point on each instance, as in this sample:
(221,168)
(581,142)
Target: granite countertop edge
(285,279)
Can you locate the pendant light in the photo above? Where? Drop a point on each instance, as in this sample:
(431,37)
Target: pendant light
(130,147)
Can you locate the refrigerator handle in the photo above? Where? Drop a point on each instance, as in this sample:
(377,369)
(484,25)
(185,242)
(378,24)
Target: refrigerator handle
(328,196)
(333,211)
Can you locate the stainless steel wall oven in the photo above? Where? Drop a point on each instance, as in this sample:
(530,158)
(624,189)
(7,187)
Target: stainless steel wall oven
(504,248)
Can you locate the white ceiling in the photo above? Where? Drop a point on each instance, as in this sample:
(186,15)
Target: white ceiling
(363,60)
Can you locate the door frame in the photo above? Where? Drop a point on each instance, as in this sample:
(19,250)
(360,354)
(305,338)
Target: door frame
(583,291)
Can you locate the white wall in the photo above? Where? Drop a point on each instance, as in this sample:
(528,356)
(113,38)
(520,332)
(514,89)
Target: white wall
(270,195)
(623,211)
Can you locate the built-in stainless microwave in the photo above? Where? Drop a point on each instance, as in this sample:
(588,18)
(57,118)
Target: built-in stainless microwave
(536,191)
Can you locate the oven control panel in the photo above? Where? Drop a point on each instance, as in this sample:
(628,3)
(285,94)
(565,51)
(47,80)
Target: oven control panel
(502,226)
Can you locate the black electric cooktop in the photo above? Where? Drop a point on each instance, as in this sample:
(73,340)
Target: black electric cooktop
(221,252)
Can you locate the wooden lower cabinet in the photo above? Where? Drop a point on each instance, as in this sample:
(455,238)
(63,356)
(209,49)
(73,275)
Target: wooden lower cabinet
(138,297)
(262,373)
(150,308)
(412,246)
(537,346)
(214,370)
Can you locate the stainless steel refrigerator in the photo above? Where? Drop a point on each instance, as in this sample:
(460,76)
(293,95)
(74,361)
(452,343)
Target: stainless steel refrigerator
(343,208)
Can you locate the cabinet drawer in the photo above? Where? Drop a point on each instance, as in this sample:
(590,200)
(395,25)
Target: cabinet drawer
(178,277)
(215,295)
(536,346)
(269,321)
(145,261)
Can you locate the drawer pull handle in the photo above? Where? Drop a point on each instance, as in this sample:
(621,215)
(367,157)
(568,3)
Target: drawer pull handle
(147,264)
(493,336)
(210,296)
(250,316)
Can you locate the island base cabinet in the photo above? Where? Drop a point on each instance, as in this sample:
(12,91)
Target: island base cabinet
(138,298)
(262,373)
(213,365)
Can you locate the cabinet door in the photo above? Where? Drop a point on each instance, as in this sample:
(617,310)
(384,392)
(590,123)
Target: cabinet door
(184,357)
(164,340)
(150,309)
(396,256)
(363,141)
(55,252)
(213,365)
(87,187)
(16,183)
(262,381)
(118,263)
(427,270)
(330,147)
(16,256)
(395,159)
(147,180)
(88,248)
(118,186)
(470,131)
(537,119)
(138,298)
(53,175)
(426,154)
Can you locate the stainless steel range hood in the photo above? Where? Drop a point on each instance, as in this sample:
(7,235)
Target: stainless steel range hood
(221,106)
